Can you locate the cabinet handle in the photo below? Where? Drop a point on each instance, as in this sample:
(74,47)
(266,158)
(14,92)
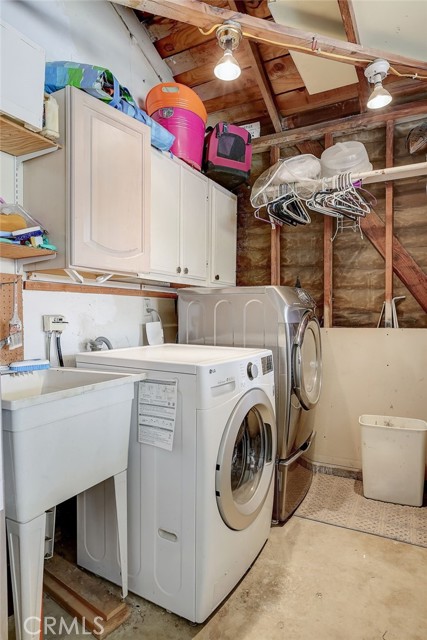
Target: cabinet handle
(185,270)
(217,277)
(178,269)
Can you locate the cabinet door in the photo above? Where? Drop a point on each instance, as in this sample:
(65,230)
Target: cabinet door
(194,224)
(165,196)
(223,224)
(109,165)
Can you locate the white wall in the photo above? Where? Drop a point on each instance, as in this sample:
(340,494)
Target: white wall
(92,33)
(118,318)
(366,371)
(95,33)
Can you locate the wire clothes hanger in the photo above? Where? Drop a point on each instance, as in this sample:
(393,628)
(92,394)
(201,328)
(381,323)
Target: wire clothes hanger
(341,199)
(293,185)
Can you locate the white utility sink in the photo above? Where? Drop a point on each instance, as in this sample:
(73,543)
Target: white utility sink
(64,430)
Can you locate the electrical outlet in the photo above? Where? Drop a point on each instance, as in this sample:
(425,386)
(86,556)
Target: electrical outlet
(54,323)
(146,308)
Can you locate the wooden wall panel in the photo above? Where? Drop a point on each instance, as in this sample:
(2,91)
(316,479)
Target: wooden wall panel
(358,273)
(253,236)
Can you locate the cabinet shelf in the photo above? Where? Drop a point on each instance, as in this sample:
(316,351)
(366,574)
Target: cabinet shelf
(16,140)
(18,252)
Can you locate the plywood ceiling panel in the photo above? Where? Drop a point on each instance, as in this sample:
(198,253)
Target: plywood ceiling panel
(398,27)
(323,17)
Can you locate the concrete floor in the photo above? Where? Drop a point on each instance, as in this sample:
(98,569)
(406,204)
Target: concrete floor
(312,581)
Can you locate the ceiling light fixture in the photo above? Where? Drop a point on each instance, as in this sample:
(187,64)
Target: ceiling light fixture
(376,72)
(228,35)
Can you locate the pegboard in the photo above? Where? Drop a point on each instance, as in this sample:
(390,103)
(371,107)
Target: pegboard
(6,311)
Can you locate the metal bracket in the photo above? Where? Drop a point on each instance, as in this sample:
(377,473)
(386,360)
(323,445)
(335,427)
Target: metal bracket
(74,275)
(388,310)
(20,262)
(342,224)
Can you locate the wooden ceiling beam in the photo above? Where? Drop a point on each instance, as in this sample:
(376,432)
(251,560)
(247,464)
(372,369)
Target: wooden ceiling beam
(297,110)
(264,85)
(351,31)
(261,77)
(363,121)
(202,15)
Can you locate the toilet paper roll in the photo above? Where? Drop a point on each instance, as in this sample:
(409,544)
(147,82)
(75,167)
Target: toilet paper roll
(154,332)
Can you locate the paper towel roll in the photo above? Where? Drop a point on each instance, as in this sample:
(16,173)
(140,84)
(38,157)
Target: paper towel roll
(154,332)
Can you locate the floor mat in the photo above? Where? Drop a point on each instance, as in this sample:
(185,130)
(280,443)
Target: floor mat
(340,501)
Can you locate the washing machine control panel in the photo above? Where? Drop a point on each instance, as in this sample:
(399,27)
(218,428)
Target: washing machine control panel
(252,370)
(267,364)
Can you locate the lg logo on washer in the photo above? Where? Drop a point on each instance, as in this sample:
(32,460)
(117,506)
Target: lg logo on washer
(212,370)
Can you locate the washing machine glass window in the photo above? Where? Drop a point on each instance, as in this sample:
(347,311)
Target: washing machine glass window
(307,361)
(251,448)
(245,460)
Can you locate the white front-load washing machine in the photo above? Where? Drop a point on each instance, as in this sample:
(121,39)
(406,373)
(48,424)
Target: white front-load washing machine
(200,475)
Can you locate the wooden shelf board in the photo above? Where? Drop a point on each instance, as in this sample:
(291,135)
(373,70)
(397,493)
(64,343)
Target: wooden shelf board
(18,251)
(16,140)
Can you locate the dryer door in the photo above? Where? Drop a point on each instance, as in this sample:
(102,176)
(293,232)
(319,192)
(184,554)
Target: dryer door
(307,361)
(245,463)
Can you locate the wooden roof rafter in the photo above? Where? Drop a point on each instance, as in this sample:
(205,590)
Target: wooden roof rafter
(260,75)
(204,16)
(350,27)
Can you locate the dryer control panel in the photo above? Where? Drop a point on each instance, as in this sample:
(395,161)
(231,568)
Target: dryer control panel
(252,370)
(267,364)
(236,377)
(266,367)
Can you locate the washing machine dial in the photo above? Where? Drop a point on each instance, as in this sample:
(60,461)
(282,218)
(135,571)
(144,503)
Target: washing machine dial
(252,371)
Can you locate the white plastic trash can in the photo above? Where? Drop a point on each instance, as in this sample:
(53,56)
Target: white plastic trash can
(393,459)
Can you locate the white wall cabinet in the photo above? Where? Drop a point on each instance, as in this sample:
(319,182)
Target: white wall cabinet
(113,204)
(179,221)
(193,226)
(223,235)
(93,195)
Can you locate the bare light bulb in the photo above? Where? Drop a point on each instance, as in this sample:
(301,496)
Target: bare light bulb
(379,97)
(375,73)
(227,68)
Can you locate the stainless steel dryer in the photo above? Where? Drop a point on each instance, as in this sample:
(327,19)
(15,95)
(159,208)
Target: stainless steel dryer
(281,319)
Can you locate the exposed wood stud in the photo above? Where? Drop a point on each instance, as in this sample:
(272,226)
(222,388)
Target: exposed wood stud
(275,232)
(328,258)
(389,215)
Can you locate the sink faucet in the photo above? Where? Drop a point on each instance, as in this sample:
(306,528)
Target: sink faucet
(96,345)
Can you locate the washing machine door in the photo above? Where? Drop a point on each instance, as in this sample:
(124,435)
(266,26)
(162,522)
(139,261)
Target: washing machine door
(307,361)
(245,462)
